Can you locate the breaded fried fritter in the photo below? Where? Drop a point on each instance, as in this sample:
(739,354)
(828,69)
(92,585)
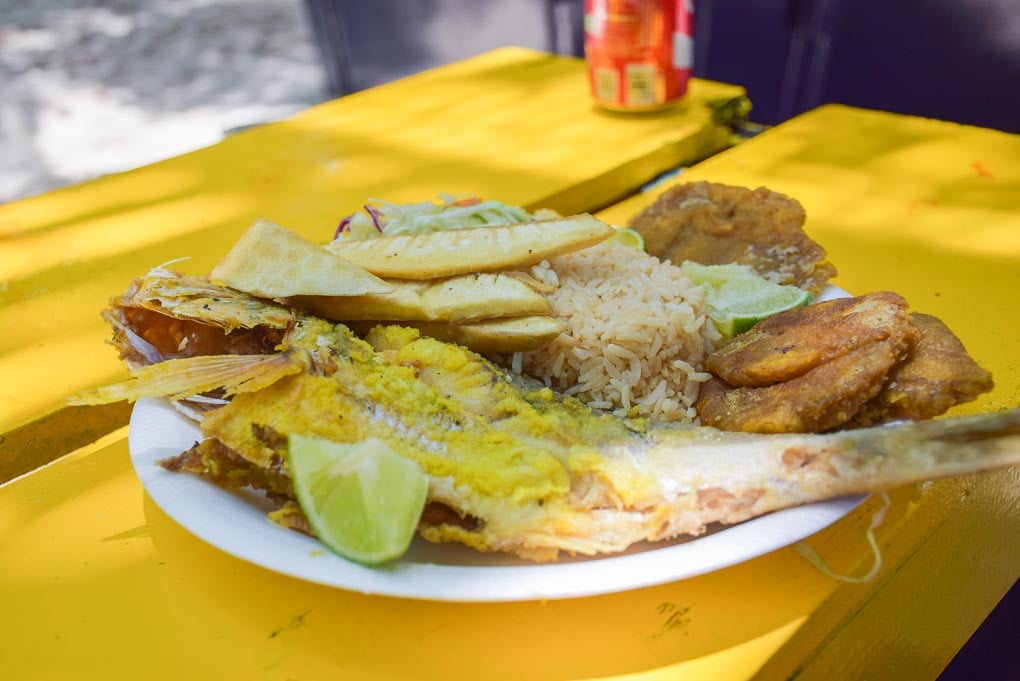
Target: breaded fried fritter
(809,369)
(792,343)
(937,374)
(716,224)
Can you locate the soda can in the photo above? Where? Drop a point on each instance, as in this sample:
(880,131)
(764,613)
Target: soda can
(639,52)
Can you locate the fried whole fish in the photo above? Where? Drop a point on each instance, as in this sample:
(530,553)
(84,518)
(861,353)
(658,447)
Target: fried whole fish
(512,466)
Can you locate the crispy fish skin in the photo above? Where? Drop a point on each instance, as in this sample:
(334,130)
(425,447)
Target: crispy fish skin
(228,469)
(937,375)
(717,224)
(167,315)
(535,474)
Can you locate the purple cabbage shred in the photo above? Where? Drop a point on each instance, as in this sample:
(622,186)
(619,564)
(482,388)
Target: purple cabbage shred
(376,218)
(343,227)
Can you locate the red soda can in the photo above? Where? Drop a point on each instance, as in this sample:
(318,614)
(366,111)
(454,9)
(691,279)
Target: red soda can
(639,52)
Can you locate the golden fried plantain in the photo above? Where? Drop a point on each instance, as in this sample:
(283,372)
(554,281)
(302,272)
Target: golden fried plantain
(809,369)
(485,336)
(792,343)
(716,224)
(825,397)
(938,374)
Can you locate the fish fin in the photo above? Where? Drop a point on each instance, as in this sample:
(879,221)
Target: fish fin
(906,452)
(176,379)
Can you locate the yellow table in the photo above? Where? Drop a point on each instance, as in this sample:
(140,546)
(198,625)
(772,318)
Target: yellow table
(513,124)
(99,583)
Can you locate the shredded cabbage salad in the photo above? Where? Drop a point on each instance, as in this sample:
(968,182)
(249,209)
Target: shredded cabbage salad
(385,218)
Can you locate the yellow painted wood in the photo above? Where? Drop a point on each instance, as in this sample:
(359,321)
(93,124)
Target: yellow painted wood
(512,124)
(107,586)
(930,210)
(910,625)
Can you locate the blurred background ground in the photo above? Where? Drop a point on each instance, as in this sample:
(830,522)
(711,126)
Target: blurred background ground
(88,88)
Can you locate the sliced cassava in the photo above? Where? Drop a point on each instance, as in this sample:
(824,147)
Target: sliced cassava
(510,334)
(460,298)
(272,262)
(477,249)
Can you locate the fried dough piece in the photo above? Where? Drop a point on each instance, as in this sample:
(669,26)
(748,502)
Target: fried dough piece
(937,374)
(716,224)
(792,343)
(809,369)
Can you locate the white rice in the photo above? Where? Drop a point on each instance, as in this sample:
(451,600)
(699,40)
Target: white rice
(637,338)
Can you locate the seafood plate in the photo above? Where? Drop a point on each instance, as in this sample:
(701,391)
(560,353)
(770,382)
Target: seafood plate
(797,417)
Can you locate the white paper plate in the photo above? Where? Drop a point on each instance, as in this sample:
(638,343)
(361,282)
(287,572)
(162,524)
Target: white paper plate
(236,524)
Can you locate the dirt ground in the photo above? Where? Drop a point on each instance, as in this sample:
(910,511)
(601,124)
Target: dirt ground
(89,87)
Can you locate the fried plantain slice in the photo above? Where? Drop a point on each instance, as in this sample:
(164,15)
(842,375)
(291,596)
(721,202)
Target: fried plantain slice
(938,374)
(825,397)
(717,224)
(809,369)
(793,342)
(486,336)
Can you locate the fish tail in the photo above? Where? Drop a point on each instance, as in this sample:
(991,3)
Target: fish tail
(911,452)
(732,477)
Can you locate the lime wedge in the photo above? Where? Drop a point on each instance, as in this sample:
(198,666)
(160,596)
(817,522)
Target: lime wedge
(717,275)
(362,499)
(629,237)
(737,298)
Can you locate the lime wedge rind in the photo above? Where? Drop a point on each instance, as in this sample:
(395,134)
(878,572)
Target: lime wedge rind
(630,238)
(362,500)
(737,298)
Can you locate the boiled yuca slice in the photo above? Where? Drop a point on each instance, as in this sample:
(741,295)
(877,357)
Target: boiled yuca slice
(476,249)
(512,334)
(460,298)
(272,262)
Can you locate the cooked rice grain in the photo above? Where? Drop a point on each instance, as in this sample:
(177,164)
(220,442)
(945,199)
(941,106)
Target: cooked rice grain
(637,335)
